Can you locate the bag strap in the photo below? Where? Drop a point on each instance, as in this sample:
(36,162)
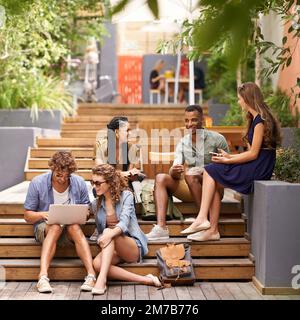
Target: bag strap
(176,213)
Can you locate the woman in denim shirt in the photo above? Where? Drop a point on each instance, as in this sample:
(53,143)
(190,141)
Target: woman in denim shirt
(120,239)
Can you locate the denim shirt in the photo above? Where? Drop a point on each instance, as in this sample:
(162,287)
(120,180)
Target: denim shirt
(125,211)
(40,193)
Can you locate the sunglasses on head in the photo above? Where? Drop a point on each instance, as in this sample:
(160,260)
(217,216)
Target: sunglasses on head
(97,183)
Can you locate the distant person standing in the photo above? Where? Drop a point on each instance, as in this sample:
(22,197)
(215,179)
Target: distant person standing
(156,79)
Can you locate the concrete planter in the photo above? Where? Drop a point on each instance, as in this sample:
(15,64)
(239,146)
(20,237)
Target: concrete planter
(273,225)
(21,118)
(288,137)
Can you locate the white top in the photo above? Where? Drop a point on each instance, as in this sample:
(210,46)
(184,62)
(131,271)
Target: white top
(61,197)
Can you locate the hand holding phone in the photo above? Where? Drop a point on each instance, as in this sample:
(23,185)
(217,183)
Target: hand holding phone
(214,154)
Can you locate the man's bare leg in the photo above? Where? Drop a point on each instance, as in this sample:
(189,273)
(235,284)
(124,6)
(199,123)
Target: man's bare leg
(164,183)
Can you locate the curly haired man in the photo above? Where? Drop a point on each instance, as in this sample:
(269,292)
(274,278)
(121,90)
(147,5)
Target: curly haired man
(59,186)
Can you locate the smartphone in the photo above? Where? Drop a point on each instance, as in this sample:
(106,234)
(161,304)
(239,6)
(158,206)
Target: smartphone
(214,154)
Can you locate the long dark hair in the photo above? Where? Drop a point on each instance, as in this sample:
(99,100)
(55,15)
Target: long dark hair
(253,97)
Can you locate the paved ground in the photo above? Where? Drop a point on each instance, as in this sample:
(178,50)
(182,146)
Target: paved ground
(200,291)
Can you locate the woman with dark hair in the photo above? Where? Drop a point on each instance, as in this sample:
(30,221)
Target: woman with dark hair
(238,171)
(121,239)
(113,147)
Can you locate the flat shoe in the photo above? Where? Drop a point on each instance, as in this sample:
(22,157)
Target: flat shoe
(200,227)
(96,291)
(154,279)
(200,236)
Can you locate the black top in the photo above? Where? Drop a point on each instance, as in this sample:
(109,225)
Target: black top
(154,74)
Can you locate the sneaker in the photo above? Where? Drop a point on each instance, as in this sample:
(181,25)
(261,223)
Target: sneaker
(158,233)
(94,237)
(43,285)
(89,282)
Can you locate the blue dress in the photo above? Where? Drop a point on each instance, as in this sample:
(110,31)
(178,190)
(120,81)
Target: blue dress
(240,177)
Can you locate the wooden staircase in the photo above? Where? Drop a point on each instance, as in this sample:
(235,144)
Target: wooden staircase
(19,253)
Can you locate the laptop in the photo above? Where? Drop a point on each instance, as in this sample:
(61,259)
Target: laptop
(68,214)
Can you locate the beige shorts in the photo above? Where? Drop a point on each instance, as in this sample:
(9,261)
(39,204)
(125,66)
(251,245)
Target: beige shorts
(40,234)
(183,192)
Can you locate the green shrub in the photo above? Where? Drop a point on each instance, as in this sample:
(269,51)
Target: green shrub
(279,102)
(35,92)
(234,116)
(287,167)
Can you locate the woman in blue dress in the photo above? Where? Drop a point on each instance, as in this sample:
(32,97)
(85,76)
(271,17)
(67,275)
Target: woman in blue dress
(238,171)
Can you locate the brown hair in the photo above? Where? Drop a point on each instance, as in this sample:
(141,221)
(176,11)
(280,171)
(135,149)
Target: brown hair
(253,97)
(62,161)
(117,183)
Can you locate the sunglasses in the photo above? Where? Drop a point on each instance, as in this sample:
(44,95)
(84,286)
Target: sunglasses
(97,183)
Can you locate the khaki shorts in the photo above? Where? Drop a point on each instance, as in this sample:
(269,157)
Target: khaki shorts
(40,234)
(183,192)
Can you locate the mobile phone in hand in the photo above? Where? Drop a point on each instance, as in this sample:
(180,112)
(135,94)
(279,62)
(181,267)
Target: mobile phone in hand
(214,154)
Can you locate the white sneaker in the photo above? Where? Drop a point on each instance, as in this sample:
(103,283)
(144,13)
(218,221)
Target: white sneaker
(43,285)
(89,282)
(158,233)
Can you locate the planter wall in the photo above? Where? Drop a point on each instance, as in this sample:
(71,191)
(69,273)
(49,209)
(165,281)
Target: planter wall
(273,213)
(21,118)
(14,143)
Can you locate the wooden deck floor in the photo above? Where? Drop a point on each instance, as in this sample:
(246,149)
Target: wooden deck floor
(200,291)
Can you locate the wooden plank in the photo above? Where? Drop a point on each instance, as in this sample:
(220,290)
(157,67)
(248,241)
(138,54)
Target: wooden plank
(196,292)
(222,291)
(73,291)
(20,291)
(29,248)
(250,291)
(72,269)
(169,293)
(48,152)
(20,228)
(60,290)
(183,293)
(209,291)
(85,295)
(141,292)
(35,163)
(128,292)
(154,293)
(114,292)
(236,291)
(33,294)
(8,290)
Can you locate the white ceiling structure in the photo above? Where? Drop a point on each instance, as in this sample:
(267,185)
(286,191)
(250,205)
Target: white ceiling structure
(169,10)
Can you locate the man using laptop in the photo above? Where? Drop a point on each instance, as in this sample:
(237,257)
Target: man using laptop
(59,186)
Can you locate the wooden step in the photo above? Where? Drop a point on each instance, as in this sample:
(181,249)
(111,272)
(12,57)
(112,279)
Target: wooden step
(230,210)
(72,269)
(89,134)
(48,152)
(226,247)
(35,163)
(20,228)
(31,173)
(65,142)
